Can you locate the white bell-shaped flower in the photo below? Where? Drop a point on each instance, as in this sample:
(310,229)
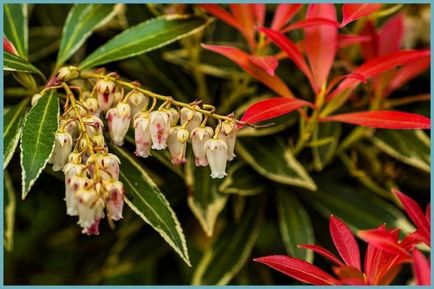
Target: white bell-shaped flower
(193,118)
(137,101)
(94,125)
(90,207)
(199,136)
(71,127)
(142,135)
(108,166)
(228,133)
(115,200)
(72,185)
(105,90)
(92,106)
(62,148)
(118,120)
(216,154)
(173,115)
(159,126)
(177,144)
(92,229)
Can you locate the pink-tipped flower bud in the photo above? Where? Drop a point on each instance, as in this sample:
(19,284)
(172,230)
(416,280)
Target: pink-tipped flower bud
(118,119)
(138,101)
(159,126)
(62,148)
(177,144)
(193,118)
(92,106)
(115,200)
(67,73)
(228,133)
(142,135)
(216,154)
(94,125)
(199,136)
(105,90)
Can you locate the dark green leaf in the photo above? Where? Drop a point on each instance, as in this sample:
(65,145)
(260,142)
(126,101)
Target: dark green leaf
(270,158)
(241,180)
(147,36)
(358,207)
(295,225)
(325,142)
(15,26)
(411,147)
(205,200)
(147,201)
(37,139)
(81,21)
(13,120)
(231,250)
(15,63)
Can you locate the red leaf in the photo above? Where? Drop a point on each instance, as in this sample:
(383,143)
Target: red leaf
(353,12)
(267,63)
(321,42)
(345,40)
(390,35)
(271,108)
(428,213)
(349,275)
(323,252)
(415,213)
(291,50)
(8,46)
(222,14)
(379,65)
(284,14)
(421,268)
(258,13)
(242,59)
(384,240)
(244,15)
(386,119)
(380,266)
(311,22)
(345,242)
(370,49)
(408,72)
(298,269)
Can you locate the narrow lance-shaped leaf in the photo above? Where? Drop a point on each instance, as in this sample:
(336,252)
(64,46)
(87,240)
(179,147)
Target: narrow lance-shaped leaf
(242,59)
(37,139)
(244,15)
(298,269)
(284,14)
(345,242)
(222,14)
(384,119)
(15,26)
(271,108)
(352,12)
(421,268)
(13,120)
(295,225)
(311,22)
(15,63)
(79,25)
(144,37)
(323,252)
(230,251)
(268,63)
(147,201)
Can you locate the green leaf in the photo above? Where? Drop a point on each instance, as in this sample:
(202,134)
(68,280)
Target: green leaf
(325,142)
(295,225)
(37,139)
(231,250)
(147,36)
(147,201)
(13,120)
(205,200)
(9,209)
(15,27)
(82,20)
(411,147)
(359,208)
(15,63)
(241,180)
(270,158)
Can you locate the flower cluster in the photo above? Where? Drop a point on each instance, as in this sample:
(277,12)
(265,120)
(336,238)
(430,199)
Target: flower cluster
(92,186)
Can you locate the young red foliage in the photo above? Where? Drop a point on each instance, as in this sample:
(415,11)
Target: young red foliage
(421,268)
(345,40)
(242,59)
(8,46)
(267,63)
(345,242)
(353,12)
(258,11)
(311,22)
(271,108)
(298,269)
(284,14)
(323,252)
(385,240)
(386,119)
(222,14)
(321,42)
